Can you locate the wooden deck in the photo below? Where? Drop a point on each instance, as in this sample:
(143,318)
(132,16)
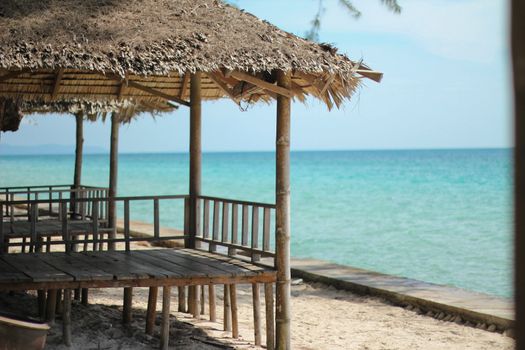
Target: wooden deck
(138,268)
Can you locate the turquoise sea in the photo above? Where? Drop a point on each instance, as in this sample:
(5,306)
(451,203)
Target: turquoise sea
(442,216)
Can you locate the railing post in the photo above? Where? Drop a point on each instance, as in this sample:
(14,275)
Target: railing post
(65,228)
(2,236)
(126,225)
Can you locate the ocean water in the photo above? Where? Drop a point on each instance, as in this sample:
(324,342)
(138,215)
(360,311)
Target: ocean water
(442,216)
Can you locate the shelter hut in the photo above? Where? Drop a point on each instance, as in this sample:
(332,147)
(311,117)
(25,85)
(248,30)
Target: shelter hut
(178,52)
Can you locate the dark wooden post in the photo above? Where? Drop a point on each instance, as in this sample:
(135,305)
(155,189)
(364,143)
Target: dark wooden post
(113,174)
(195,171)
(77,180)
(282,215)
(195,153)
(518,65)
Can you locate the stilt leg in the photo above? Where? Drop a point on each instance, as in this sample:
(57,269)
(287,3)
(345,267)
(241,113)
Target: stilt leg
(227,309)
(211,300)
(66,317)
(152,310)
(196,301)
(235,319)
(256,313)
(51,305)
(203,300)
(182,299)
(165,326)
(85,296)
(270,321)
(77,294)
(59,308)
(126,313)
(191,297)
(41,303)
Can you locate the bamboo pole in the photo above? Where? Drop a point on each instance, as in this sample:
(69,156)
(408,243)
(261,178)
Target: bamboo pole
(152,310)
(203,300)
(270,325)
(51,305)
(165,325)
(212,302)
(227,309)
(196,301)
(282,215)
(195,153)
(256,297)
(235,318)
(182,299)
(128,298)
(79,149)
(66,318)
(113,175)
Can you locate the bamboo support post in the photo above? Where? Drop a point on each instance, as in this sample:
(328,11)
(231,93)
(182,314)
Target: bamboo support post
(282,215)
(235,318)
(191,299)
(66,317)
(256,297)
(113,174)
(51,305)
(165,325)
(41,297)
(195,154)
(227,309)
(203,300)
(182,299)
(60,304)
(152,310)
(126,312)
(196,301)
(212,303)
(85,296)
(270,318)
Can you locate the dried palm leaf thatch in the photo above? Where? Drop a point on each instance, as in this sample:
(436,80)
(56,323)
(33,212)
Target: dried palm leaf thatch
(144,49)
(125,110)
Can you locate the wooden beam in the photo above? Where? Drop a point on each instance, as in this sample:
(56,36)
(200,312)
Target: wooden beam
(77,180)
(148,89)
(222,86)
(184,86)
(58,81)
(12,75)
(122,89)
(370,74)
(282,216)
(262,84)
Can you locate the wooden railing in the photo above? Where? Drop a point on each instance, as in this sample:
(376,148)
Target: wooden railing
(239,227)
(72,231)
(225,226)
(53,194)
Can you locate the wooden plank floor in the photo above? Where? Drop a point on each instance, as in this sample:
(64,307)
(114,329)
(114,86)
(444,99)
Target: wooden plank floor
(140,268)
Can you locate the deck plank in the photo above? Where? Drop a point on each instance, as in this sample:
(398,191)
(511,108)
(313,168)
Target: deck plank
(10,274)
(226,267)
(182,270)
(124,266)
(37,269)
(72,265)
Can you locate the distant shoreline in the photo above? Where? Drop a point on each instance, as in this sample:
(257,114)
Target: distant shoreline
(103,152)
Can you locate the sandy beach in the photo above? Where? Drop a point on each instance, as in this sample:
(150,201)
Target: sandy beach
(324,318)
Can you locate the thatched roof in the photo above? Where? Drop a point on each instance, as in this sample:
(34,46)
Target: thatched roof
(103,49)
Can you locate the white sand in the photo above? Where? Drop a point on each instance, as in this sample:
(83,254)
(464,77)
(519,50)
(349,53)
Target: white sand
(323,318)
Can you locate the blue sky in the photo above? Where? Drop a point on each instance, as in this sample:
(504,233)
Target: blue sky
(446,85)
